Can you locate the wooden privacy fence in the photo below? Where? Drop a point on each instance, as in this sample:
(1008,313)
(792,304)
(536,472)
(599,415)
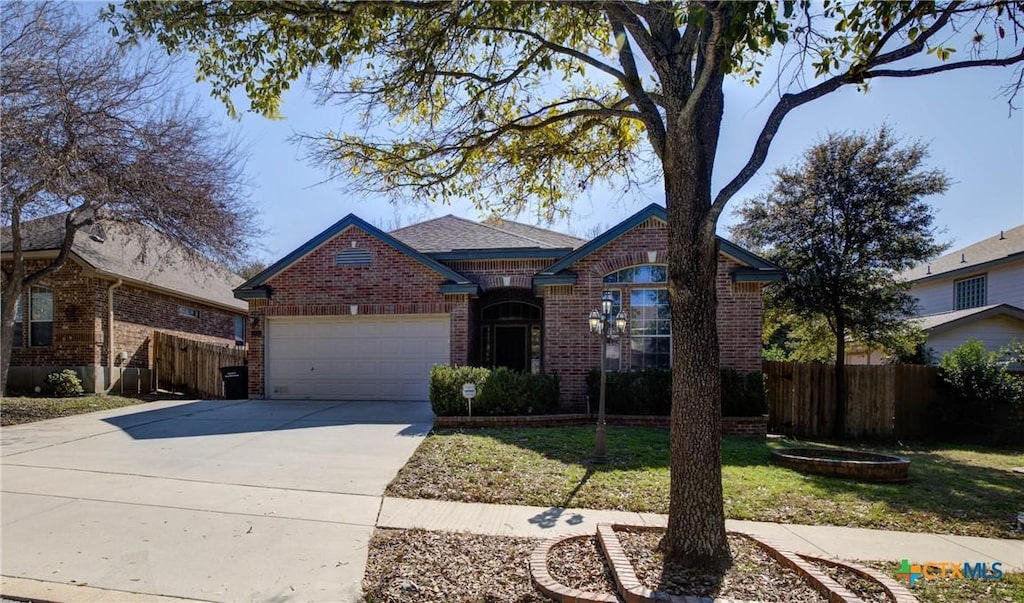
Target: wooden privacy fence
(187,364)
(884,401)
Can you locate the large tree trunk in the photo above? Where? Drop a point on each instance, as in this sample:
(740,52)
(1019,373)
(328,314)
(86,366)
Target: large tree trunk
(696,528)
(8,303)
(839,424)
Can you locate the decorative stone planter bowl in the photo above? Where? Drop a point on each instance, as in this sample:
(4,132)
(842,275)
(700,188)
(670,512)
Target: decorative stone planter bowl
(848,464)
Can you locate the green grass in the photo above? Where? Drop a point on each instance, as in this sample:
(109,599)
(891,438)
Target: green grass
(17,410)
(1006,590)
(953,489)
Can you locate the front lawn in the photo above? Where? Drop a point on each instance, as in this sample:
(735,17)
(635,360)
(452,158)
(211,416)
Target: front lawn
(16,410)
(953,489)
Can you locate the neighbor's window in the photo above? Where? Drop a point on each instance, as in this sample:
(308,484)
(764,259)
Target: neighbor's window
(971,292)
(613,349)
(19,327)
(239,331)
(646,273)
(188,312)
(650,329)
(40,317)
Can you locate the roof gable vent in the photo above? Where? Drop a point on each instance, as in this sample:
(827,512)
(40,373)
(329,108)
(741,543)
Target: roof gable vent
(352,257)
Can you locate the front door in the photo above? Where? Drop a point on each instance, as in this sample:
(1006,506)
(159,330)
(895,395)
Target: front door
(511,347)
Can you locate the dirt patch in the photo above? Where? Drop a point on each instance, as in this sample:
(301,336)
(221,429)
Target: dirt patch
(868,590)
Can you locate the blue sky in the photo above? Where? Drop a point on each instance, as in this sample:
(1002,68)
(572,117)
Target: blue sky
(968,127)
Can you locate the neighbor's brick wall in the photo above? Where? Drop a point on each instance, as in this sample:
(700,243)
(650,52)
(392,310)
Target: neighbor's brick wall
(75,324)
(393,283)
(80,318)
(571,351)
(138,312)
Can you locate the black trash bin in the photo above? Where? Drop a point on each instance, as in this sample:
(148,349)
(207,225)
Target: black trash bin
(236,382)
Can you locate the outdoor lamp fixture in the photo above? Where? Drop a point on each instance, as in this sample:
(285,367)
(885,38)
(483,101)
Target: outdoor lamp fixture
(608,327)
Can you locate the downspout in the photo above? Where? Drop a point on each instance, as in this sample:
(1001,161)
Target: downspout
(110,333)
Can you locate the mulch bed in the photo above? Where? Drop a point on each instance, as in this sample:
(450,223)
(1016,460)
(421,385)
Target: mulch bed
(754,576)
(579,563)
(868,590)
(417,565)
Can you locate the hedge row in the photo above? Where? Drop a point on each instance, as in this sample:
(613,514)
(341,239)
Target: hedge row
(649,392)
(499,391)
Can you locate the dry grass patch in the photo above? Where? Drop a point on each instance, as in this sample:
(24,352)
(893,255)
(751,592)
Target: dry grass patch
(17,410)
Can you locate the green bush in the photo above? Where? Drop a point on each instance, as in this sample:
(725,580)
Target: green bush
(649,392)
(446,387)
(65,383)
(499,392)
(985,398)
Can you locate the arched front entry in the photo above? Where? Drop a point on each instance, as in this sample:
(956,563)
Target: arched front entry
(510,327)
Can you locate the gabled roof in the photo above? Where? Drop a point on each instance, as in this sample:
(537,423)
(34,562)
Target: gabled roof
(757,269)
(255,287)
(134,253)
(1007,246)
(450,234)
(936,323)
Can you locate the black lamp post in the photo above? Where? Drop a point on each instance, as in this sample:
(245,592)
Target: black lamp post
(607,326)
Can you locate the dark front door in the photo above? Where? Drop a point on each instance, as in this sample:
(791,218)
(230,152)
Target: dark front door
(511,347)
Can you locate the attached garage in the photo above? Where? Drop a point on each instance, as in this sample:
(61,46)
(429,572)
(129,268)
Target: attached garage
(375,357)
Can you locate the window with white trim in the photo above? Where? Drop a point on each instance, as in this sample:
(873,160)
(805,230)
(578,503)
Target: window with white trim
(40,317)
(971,292)
(642,274)
(650,330)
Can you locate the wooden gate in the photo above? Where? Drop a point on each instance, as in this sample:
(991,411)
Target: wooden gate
(188,365)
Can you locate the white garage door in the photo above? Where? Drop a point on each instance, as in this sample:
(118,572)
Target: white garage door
(355,357)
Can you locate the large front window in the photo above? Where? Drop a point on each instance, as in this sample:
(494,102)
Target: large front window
(650,329)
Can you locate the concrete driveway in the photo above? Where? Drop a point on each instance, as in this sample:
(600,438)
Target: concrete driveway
(210,500)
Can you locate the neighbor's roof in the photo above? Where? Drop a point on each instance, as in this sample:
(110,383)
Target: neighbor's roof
(947,320)
(451,233)
(136,253)
(1005,246)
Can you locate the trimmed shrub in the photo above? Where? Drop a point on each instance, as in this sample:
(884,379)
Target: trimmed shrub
(65,383)
(649,392)
(446,388)
(500,392)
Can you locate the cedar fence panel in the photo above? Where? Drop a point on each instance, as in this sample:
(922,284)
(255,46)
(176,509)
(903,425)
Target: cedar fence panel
(187,364)
(884,401)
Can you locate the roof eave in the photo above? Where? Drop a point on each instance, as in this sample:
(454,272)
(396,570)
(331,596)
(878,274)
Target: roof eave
(1000,310)
(1015,257)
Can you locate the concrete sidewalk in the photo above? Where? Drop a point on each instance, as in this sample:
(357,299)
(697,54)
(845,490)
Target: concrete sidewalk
(823,541)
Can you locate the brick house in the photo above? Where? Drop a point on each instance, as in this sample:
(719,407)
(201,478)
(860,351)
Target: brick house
(97,313)
(357,313)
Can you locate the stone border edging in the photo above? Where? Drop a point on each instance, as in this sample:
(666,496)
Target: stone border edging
(741,426)
(551,589)
(897,591)
(632,590)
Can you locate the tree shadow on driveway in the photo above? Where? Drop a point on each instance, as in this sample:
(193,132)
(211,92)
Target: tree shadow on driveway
(205,417)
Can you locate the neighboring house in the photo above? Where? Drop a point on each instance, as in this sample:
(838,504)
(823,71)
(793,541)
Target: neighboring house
(974,292)
(133,275)
(357,313)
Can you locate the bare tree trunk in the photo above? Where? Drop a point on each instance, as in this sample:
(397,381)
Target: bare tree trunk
(8,303)
(839,424)
(696,528)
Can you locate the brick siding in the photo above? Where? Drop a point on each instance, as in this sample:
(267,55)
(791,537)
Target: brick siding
(80,319)
(571,351)
(394,283)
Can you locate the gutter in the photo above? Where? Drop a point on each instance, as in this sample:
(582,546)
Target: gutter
(110,332)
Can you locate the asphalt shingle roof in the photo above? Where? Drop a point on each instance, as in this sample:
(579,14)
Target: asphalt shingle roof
(136,253)
(450,233)
(932,321)
(1009,242)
